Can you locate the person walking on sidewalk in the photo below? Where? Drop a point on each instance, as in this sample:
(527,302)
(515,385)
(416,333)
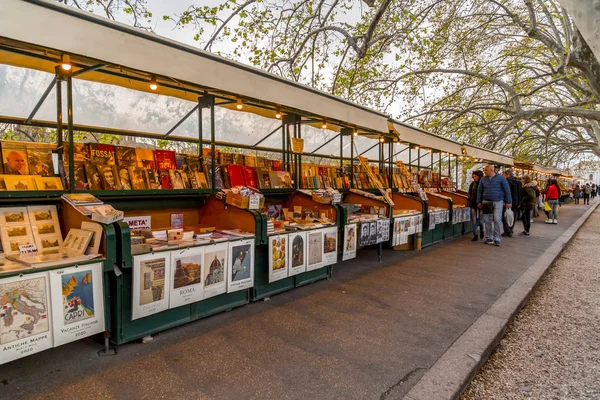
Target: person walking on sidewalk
(587,190)
(475,211)
(552,196)
(576,193)
(530,200)
(492,193)
(516,193)
(593,193)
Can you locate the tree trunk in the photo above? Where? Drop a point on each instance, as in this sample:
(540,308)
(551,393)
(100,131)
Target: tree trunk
(586,15)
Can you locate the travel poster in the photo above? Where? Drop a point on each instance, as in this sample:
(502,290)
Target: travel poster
(241,265)
(187,270)
(349,249)
(297,253)
(151,280)
(215,269)
(330,245)
(77,302)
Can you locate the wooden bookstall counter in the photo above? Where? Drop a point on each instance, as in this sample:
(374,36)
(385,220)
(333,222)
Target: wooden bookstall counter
(402,203)
(71,298)
(356,198)
(461,215)
(439,219)
(284,259)
(129,321)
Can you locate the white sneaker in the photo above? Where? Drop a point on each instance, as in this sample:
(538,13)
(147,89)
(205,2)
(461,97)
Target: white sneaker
(555,221)
(548,221)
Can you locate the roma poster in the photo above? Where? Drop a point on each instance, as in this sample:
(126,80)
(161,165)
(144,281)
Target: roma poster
(278,260)
(241,265)
(187,270)
(330,236)
(25,318)
(349,250)
(151,280)
(215,269)
(77,302)
(315,250)
(297,253)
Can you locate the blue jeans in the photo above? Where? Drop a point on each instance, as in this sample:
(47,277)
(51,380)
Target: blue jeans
(476,220)
(493,222)
(553,209)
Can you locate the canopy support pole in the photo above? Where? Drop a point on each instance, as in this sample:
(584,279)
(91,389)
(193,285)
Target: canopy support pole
(41,101)
(181,121)
(59,122)
(268,136)
(70,133)
(324,144)
(352,161)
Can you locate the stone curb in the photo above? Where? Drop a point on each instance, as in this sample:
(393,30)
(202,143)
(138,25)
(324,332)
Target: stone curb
(453,371)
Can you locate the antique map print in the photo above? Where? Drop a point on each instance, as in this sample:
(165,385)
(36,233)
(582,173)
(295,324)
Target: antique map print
(24,309)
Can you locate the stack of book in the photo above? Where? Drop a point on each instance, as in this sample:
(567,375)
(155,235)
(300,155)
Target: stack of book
(28,166)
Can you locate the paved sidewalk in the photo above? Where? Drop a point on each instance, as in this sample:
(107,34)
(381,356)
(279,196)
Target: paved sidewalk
(552,350)
(370,333)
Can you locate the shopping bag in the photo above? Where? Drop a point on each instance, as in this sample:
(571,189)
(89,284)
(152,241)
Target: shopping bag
(547,206)
(509,217)
(540,203)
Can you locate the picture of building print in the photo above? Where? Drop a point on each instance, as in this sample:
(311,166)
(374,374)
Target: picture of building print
(23,309)
(44,229)
(188,271)
(152,273)
(241,263)
(350,238)
(315,248)
(16,231)
(14,217)
(329,242)
(78,296)
(42,215)
(14,245)
(297,251)
(215,273)
(49,243)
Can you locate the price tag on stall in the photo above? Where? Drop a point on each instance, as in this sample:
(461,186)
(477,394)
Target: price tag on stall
(253,202)
(28,248)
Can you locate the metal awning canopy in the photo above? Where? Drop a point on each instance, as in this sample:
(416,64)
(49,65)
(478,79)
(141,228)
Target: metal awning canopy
(35,33)
(546,170)
(423,138)
(488,155)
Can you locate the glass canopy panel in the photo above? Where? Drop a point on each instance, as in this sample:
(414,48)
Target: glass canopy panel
(111,106)
(22,88)
(244,128)
(315,138)
(401,153)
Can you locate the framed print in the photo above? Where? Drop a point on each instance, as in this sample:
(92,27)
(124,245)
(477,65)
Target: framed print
(215,269)
(385,230)
(20,182)
(77,302)
(46,228)
(186,276)
(48,183)
(25,320)
(379,230)
(151,278)
(75,243)
(315,250)
(278,266)
(364,233)
(297,253)
(97,230)
(349,249)
(241,265)
(372,232)
(330,236)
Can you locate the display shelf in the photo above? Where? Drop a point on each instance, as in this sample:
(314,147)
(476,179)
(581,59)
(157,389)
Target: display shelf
(404,201)
(30,195)
(443,230)
(459,228)
(106,194)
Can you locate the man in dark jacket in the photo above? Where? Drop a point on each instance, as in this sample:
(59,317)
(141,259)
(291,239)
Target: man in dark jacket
(516,193)
(492,193)
(475,211)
